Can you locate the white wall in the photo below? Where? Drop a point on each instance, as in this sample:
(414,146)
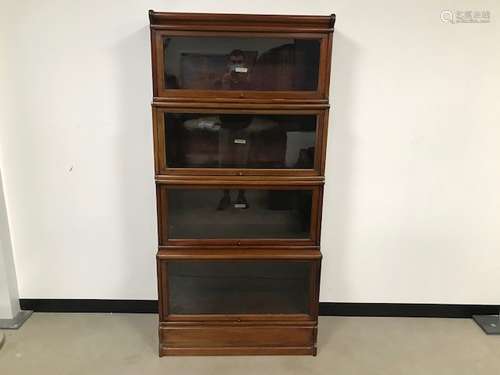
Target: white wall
(412,209)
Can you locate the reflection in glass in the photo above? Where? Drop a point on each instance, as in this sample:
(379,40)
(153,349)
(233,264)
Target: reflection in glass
(197,140)
(236,63)
(238,287)
(238,213)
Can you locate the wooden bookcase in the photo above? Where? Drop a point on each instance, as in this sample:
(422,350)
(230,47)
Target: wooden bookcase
(240,120)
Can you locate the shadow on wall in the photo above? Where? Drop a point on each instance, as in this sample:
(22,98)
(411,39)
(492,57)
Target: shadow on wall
(134,165)
(339,177)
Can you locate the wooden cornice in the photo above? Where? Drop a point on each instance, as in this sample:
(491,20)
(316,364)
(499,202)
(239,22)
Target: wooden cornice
(241,22)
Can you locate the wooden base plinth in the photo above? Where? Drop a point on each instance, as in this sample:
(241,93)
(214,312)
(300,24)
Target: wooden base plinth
(237,340)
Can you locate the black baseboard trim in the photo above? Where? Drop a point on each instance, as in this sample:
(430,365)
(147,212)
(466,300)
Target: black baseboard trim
(416,310)
(325,308)
(89,305)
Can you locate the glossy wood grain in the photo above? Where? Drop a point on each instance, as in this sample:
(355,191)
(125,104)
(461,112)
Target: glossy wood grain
(280,23)
(241,253)
(232,340)
(192,319)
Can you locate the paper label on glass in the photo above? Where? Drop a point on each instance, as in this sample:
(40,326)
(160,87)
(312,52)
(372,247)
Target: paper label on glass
(240,69)
(240,141)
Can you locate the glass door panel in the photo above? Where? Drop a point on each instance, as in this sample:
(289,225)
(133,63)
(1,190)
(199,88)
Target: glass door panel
(248,287)
(241,63)
(238,213)
(249,141)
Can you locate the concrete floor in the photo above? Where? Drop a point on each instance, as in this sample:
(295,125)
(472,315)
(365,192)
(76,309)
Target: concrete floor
(72,344)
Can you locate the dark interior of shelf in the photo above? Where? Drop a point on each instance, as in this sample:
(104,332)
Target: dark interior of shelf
(238,213)
(238,287)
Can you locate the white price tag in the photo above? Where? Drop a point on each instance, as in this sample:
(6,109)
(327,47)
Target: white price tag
(241,69)
(240,141)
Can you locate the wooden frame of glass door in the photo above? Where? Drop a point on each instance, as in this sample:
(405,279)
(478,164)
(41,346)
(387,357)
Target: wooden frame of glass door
(315,219)
(158,53)
(160,138)
(312,257)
